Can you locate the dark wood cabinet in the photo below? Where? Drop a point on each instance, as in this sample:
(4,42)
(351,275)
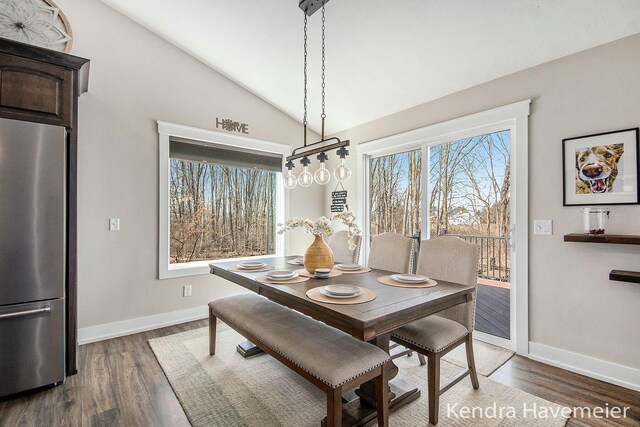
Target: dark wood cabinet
(35,91)
(41,85)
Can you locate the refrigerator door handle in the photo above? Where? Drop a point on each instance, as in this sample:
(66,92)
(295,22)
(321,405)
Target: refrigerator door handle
(25,313)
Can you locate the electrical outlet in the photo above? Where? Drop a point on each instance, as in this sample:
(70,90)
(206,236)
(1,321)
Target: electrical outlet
(186,291)
(543,227)
(114,224)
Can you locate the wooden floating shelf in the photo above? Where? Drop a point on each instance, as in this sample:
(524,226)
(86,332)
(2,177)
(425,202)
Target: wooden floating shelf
(620,239)
(625,276)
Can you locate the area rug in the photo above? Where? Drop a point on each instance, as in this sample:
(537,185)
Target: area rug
(228,390)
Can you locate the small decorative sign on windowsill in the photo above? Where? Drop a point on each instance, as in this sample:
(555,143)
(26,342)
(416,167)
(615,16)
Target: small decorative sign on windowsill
(232,126)
(339,199)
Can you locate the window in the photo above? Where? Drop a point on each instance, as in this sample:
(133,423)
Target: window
(217,210)
(220,198)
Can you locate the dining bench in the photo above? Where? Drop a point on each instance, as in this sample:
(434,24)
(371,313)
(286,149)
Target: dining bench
(330,359)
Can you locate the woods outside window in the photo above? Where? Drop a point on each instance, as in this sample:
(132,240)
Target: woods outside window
(222,203)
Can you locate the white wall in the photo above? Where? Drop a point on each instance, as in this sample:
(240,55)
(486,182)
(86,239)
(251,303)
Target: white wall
(573,305)
(137,78)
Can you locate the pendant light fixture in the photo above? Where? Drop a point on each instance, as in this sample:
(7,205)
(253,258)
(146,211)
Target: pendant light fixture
(321,176)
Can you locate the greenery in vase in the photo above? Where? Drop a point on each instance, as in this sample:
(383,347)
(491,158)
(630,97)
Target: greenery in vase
(322,226)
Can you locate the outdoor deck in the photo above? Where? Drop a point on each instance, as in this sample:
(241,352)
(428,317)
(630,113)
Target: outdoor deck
(492,308)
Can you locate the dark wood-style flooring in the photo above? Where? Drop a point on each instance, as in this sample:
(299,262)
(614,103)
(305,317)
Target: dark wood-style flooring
(121,384)
(492,311)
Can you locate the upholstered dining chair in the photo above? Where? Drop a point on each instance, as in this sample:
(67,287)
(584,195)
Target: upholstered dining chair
(391,252)
(339,244)
(453,260)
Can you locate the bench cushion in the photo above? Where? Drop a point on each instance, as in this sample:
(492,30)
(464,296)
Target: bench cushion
(326,353)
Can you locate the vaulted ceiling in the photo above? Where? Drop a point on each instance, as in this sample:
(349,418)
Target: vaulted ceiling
(383,56)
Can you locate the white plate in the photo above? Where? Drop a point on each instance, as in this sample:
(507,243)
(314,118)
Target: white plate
(280,275)
(409,278)
(342,289)
(298,261)
(348,267)
(330,295)
(251,265)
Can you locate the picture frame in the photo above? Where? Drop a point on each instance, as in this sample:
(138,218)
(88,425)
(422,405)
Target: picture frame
(601,169)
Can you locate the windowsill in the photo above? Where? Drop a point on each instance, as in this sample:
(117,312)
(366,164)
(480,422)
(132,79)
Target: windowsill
(196,268)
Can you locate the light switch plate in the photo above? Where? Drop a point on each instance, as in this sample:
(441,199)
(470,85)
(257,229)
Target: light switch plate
(114,224)
(543,227)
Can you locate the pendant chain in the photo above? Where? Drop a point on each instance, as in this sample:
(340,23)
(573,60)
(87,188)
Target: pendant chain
(304,120)
(323,115)
(305,70)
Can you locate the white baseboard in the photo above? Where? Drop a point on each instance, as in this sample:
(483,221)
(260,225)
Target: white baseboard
(613,373)
(140,324)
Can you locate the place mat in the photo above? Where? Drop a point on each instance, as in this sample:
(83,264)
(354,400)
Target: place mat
(387,280)
(362,270)
(252,270)
(315,295)
(305,273)
(299,279)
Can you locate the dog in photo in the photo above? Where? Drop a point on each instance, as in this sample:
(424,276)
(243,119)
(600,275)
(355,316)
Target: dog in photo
(597,168)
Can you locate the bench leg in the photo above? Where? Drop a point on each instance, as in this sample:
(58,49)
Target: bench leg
(382,398)
(212,334)
(334,407)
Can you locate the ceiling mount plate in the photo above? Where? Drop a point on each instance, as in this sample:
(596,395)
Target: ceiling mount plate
(311,6)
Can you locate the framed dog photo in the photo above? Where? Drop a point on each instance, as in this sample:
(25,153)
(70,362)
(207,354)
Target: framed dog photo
(601,169)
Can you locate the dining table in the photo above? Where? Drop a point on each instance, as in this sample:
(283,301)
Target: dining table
(372,321)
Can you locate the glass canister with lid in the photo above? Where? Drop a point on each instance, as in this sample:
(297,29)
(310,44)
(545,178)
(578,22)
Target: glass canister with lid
(594,220)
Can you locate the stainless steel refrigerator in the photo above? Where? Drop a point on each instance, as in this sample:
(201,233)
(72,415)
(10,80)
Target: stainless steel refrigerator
(32,255)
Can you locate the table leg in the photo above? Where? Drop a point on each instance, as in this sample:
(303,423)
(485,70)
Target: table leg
(248,349)
(400,392)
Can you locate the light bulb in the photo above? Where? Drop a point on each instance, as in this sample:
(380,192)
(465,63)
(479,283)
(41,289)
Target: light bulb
(342,172)
(290,181)
(322,175)
(305,179)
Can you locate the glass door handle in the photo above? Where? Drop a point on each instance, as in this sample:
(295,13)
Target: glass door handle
(512,237)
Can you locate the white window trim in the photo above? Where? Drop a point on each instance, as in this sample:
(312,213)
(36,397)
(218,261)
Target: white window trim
(513,117)
(167,130)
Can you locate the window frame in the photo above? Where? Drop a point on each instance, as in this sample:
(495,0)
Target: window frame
(166,130)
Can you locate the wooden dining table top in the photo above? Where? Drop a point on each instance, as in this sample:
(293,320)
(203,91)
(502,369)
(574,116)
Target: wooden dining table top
(393,307)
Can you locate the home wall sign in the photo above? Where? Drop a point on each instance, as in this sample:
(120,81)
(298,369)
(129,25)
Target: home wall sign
(232,126)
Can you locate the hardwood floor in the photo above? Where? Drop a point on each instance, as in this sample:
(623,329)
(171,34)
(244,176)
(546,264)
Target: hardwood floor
(569,389)
(119,383)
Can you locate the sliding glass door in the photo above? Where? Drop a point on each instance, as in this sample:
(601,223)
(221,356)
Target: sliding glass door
(462,188)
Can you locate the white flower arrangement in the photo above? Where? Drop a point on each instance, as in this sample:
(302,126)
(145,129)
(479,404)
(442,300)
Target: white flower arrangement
(322,226)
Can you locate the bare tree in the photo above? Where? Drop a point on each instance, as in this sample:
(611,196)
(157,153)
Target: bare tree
(395,193)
